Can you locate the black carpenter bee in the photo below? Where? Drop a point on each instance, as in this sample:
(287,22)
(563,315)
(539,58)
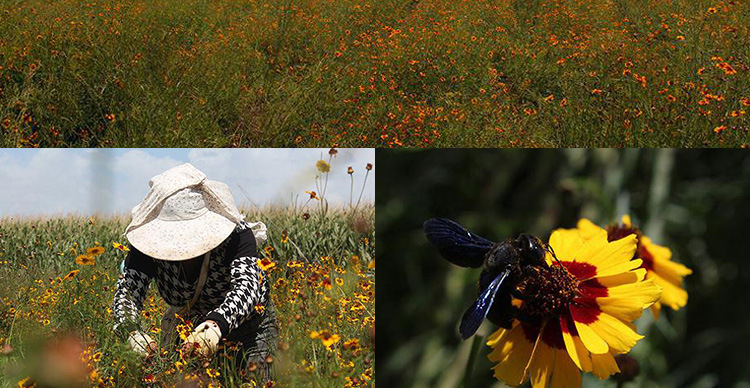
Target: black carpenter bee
(503,266)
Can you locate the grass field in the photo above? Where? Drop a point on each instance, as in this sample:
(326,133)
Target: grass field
(366,73)
(55,317)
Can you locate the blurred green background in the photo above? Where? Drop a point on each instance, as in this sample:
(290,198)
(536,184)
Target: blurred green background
(697,202)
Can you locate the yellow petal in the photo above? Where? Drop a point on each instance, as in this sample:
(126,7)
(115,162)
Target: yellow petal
(593,342)
(566,243)
(541,367)
(610,258)
(576,350)
(672,295)
(618,268)
(513,356)
(495,337)
(622,278)
(566,374)
(626,221)
(604,365)
(590,230)
(627,302)
(615,333)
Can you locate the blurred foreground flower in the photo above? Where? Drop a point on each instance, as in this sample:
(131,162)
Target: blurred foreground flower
(657,260)
(577,314)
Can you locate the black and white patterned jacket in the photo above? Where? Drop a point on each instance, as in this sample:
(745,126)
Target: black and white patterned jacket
(235,284)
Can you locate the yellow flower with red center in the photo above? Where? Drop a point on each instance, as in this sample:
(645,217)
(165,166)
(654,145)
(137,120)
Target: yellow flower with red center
(657,261)
(326,337)
(71,274)
(121,247)
(85,260)
(26,382)
(352,344)
(313,195)
(211,372)
(266,263)
(576,313)
(95,251)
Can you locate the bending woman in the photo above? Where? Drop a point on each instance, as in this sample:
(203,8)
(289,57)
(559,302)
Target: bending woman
(189,236)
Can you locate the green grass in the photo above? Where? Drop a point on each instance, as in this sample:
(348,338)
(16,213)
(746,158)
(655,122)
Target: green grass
(374,73)
(64,325)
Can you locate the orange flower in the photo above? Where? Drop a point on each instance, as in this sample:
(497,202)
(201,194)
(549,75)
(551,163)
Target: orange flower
(85,260)
(95,251)
(720,128)
(313,195)
(71,274)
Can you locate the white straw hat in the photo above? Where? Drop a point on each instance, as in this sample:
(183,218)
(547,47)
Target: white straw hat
(183,216)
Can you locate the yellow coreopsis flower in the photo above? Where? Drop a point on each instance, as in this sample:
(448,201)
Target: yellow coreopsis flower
(85,260)
(323,166)
(657,260)
(576,313)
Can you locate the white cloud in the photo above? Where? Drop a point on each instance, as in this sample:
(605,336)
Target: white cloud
(53,181)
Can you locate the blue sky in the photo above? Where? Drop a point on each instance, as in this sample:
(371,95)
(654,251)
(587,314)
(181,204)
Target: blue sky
(84,181)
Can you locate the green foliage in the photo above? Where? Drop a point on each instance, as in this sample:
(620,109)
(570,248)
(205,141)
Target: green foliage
(691,201)
(374,73)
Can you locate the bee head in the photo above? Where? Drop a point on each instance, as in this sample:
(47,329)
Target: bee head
(533,250)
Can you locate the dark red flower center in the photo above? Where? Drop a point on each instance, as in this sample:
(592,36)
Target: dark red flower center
(547,292)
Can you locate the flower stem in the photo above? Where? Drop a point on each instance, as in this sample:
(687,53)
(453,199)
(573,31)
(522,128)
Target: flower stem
(472,359)
(363,190)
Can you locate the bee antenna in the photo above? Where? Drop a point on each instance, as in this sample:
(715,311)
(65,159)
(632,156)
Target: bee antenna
(552,251)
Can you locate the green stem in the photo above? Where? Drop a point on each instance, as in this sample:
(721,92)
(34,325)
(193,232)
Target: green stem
(363,190)
(472,359)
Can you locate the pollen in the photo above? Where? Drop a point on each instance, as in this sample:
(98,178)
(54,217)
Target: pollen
(548,292)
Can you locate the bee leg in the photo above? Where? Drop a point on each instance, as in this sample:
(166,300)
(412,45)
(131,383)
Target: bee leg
(501,311)
(517,294)
(524,318)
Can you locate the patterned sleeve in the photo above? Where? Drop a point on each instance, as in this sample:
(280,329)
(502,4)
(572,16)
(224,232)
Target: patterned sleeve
(132,288)
(248,286)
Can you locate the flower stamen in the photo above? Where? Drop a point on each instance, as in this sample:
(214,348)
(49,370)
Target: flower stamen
(547,292)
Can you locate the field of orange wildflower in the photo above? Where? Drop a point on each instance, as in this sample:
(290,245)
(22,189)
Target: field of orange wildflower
(366,73)
(58,280)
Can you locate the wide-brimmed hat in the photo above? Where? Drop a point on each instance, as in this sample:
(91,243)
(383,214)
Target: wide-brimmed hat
(183,216)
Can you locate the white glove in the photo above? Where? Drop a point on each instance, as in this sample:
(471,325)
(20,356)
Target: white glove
(259,231)
(207,336)
(139,342)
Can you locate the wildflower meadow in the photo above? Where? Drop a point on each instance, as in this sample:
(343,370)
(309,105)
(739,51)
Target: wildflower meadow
(418,73)
(58,278)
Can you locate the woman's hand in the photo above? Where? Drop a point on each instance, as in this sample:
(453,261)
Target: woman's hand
(141,343)
(204,340)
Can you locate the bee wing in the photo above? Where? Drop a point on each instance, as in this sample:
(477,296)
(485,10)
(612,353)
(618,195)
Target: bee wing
(456,243)
(475,314)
